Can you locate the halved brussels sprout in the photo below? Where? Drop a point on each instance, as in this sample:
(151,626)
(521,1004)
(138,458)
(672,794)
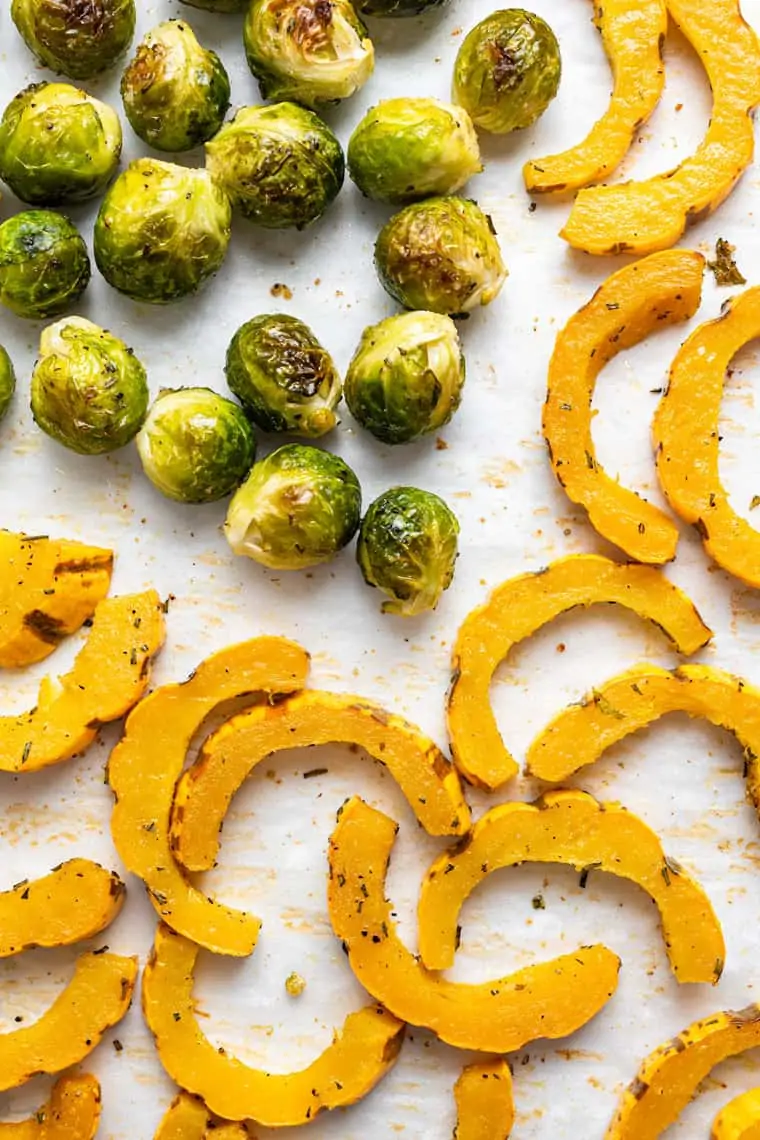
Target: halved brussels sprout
(195,445)
(299,506)
(408,545)
(7,381)
(44,266)
(507,70)
(311,51)
(58,144)
(175,92)
(89,391)
(406,377)
(283,376)
(78,38)
(161,231)
(441,254)
(407,149)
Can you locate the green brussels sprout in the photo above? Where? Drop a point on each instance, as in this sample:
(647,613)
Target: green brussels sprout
(7,381)
(44,266)
(407,149)
(507,71)
(283,376)
(195,445)
(161,231)
(89,391)
(441,254)
(408,545)
(58,144)
(297,508)
(219,5)
(398,7)
(280,165)
(175,92)
(78,38)
(311,51)
(406,377)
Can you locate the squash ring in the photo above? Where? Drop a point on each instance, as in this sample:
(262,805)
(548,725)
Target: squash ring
(71,1113)
(740,1119)
(188,1118)
(485,1102)
(520,607)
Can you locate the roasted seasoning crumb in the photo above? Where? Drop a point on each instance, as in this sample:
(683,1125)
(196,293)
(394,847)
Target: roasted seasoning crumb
(724,268)
(295,984)
(538,903)
(280,290)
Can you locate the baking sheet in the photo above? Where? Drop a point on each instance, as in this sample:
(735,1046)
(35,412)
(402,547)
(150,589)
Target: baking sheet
(683,778)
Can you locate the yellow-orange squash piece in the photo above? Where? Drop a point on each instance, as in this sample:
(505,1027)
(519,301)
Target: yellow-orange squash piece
(109,675)
(188,1118)
(687,442)
(573,828)
(660,290)
(146,764)
(633,32)
(72,1113)
(550,999)
(485,1103)
(520,607)
(642,217)
(669,1078)
(740,1119)
(360,1055)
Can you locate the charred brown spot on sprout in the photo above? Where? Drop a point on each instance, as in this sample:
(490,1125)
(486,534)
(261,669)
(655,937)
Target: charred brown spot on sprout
(7,382)
(78,38)
(44,265)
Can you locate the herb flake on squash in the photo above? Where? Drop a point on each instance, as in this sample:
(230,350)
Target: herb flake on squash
(71,1113)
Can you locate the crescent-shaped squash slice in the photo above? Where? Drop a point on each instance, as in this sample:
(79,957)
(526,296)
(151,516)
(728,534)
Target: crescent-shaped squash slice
(110,674)
(48,589)
(551,999)
(485,1103)
(72,1113)
(687,441)
(520,607)
(96,998)
(360,1055)
(147,762)
(573,828)
(669,1078)
(226,1130)
(188,1118)
(633,32)
(740,1119)
(642,217)
(631,304)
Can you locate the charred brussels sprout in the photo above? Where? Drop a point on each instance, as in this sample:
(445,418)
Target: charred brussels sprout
(507,71)
(280,165)
(175,92)
(283,376)
(44,267)
(78,38)
(407,548)
(196,446)
(89,391)
(441,254)
(58,144)
(161,231)
(297,508)
(7,381)
(407,149)
(311,51)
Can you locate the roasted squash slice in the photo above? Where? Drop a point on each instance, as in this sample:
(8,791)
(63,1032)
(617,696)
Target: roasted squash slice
(670,1076)
(642,217)
(631,304)
(188,1118)
(485,1104)
(109,675)
(97,998)
(687,441)
(573,828)
(72,1113)
(146,764)
(520,607)
(551,999)
(360,1055)
(740,1119)
(633,32)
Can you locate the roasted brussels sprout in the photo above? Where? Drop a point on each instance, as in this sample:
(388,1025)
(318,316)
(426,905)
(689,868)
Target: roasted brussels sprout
(398,7)
(219,5)
(78,38)
(404,150)
(7,381)
(311,51)
(283,376)
(175,92)
(58,144)
(44,267)
(407,547)
(507,71)
(297,508)
(280,165)
(441,254)
(161,231)
(89,391)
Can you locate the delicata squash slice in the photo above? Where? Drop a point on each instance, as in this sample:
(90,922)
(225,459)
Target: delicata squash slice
(485,1103)
(188,1118)
(740,1119)
(520,607)
(551,999)
(72,1113)
(661,290)
(573,828)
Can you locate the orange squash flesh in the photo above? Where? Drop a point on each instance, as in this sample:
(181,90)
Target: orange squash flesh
(188,1118)
(72,1113)
(485,1103)
(740,1119)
